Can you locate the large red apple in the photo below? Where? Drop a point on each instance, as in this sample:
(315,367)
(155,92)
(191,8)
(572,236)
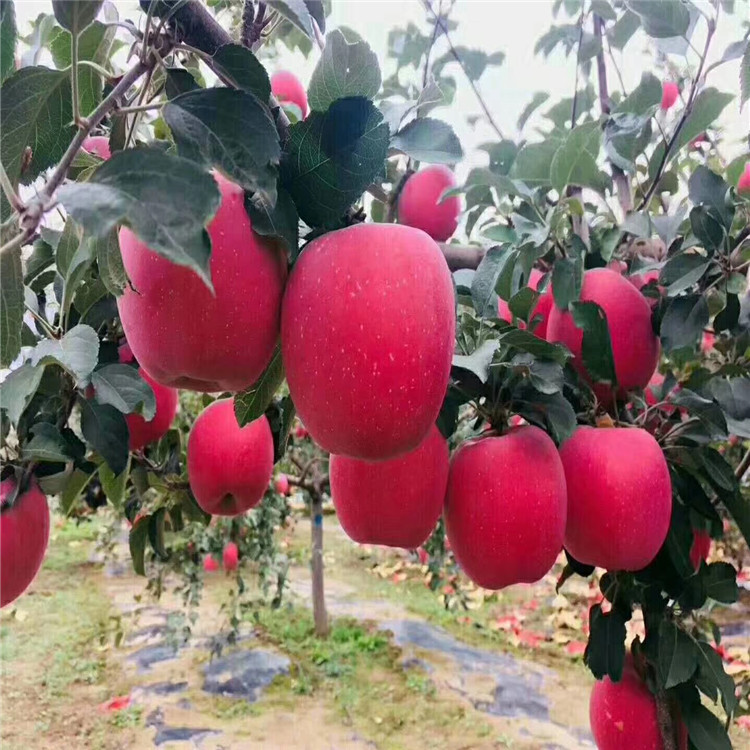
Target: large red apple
(541,309)
(24,534)
(418,205)
(186,337)
(396,502)
(634,345)
(97,144)
(619,497)
(505,507)
(367,336)
(229,467)
(623,714)
(287,88)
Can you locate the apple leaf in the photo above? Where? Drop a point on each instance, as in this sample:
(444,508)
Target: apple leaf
(105,429)
(76,16)
(253,402)
(77,352)
(596,349)
(17,390)
(122,387)
(241,68)
(11,304)
(8,34)
(605,652)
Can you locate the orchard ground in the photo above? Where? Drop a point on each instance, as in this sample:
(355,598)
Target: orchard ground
(398,670)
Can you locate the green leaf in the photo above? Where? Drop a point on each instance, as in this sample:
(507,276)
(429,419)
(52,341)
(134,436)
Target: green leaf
(231,130)
(644,98)
(240,67)
(281,221)
(739,508)
(8,33)
(626,136)
(706,410)
(526,341)
(11,305)
(712,677)
(105,429)
(682,271)
(567,280)
(156,533)
(36,113)
(281,435)
(166,200)
(295,11)
(661,20)
(705,730)
(478,361)
(532,163)
(536,101)
(109,261)
(180,81)
(496,261)
(683,322)
(473,61)
(94,44)
(745,77)
(77,352)
(728,317)
(73,488)
(137,541)
(17,390)
(426,139)
(707,188)
(114,486)
(733,396)
(77,15)
(523,302)
(122,387)
(621,33)
(574,163)
(720,580)
(347,67)
(68,244)
(79,265)
(332,158)
(707,228)
(603,9)
(47,445)
(551,412)
(253,402)
(605,652)
(596,349)
(678,657)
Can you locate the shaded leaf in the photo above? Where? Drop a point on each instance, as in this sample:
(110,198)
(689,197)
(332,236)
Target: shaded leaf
(605,652)
(596,349)
(661,20)
(253,402)
(295,11)
(8,34)
(77,15)
(137,542)
(122,386)
(683,322)
(77,352)
(17,390)
(478,361)
(426,139)
(240,67)
(11,305)
(678,658)
(105,429)
(281,221)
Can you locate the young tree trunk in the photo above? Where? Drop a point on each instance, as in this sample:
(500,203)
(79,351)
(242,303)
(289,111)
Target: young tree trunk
(318,591)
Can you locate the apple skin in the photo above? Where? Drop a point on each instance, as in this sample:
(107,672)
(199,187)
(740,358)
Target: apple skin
(418,205)
(396,503)
(184,336)
(281,485)
(623,714)
(97,144)
(143,432)
(542,308)
(286,87)
(670,93)
(228,467)
(209,564)
(230,556)
(743,184)
(619,497)
(505,507)
(634,345)
(24,535)
(367,335)
(700,548)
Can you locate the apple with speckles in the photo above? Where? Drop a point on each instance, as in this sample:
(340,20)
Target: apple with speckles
(367,336)
(419,204)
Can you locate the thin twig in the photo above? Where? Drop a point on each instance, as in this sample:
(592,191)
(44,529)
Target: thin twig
(685,115)
(138,108)
(616,67)
(580,226)
(107,74)
(10,193)
(743,466)
(473,85)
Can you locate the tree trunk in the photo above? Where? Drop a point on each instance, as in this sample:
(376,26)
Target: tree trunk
(318,592)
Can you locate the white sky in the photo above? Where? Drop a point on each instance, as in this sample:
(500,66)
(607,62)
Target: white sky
(512,26)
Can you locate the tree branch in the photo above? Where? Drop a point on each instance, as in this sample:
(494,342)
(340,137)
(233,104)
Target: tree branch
(248,16)
(462,256)
(457,58)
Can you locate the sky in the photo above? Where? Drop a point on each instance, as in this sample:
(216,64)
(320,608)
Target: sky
(512,26)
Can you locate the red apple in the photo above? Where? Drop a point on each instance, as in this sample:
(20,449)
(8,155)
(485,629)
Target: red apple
(541,309)
(634,345)
(367,335)
(143,432)
(505,507)
(229,467)
(24,534)
(418,205)
(743,184)
(669,95)
(700,548)
(286,87)
(97,144)
(125,353)
(707,342)
(231,556)
(281,485)
(209,564)
(395,502)
(187,337)
(619,497)
(623,714)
